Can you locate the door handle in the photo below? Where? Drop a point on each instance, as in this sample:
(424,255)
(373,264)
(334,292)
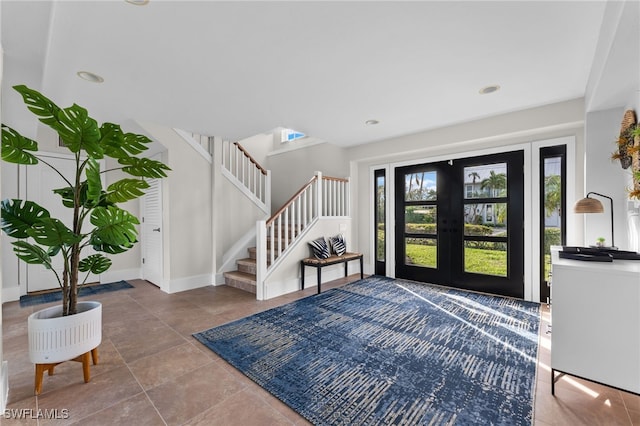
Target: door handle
(156,229)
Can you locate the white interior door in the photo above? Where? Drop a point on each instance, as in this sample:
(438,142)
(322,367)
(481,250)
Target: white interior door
(152,233)
(41,180)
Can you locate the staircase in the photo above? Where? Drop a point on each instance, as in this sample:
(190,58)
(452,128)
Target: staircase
(244,278)
(321,197)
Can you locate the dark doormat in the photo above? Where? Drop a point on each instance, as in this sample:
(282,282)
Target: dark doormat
(87,290)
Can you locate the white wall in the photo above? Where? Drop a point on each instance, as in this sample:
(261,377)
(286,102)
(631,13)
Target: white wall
(291,169)
(613,87)
(187,196)
(235,215)
(605,177)
(259,146)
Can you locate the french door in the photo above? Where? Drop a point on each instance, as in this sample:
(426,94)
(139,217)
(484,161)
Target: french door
(460,223)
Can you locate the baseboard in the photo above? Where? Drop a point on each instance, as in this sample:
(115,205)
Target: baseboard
(329,273)
(10,294)
(189,283)
(219,279)
(4,385)
(120,274)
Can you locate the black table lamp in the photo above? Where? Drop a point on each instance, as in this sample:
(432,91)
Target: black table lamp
(591,205)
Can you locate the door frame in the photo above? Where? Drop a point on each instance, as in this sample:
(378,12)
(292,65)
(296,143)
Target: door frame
(531,203)
(164,226)
(569,142)
(389,245)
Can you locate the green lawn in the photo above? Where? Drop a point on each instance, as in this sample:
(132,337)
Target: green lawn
(490,262)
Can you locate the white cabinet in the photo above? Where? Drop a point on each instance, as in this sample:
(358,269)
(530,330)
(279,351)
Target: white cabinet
(596,321)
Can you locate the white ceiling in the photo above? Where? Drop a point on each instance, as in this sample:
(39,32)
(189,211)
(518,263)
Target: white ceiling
(235,69)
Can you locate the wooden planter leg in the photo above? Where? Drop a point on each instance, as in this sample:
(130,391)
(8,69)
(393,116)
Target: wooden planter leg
(40,369)
(85,359)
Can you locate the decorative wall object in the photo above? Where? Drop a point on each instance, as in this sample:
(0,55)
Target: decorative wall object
(629,150)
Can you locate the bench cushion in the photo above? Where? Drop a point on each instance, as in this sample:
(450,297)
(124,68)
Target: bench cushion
(331,259)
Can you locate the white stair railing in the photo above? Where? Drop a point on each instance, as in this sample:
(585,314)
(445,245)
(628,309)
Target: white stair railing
(201,143)
(320,197)
(252,178)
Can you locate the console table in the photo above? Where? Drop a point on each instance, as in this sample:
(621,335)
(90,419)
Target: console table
(595,316)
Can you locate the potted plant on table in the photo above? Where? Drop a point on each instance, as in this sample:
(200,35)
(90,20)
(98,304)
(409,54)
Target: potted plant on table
(98,222)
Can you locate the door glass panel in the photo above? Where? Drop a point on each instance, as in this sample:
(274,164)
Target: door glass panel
(486,219)
(420,186)
(485,181)
(421,252)
(380,219)
(420,219)
(552,209)
(485,257)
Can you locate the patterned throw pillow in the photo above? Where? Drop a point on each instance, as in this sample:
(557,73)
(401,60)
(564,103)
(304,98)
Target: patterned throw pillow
(320,248)
(338,244)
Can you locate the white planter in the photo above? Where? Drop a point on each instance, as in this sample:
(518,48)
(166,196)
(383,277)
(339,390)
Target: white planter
(54,338)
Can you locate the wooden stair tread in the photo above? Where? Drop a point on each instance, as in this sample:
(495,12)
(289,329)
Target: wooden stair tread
(241,276)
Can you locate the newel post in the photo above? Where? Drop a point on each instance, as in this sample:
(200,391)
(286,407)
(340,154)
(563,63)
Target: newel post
(261,259)
(348,198)
(319,193)
(267,191)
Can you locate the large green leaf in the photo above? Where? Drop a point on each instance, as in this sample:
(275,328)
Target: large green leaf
(144,167)
(41,106)
(117,144)
(95,263)
(114,226)
(94,183)
(19,216)
(135,144)
(99,245)
(125,190)
(15,147)
(52,233)
(112,140)
(31,253)
(67,195)
(79,131)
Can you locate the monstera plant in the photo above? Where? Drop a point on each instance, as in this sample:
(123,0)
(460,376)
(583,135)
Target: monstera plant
(97,221)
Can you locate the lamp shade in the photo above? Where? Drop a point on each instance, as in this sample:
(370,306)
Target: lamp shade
(588,205)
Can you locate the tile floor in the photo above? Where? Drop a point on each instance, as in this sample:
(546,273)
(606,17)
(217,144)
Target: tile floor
(153,372)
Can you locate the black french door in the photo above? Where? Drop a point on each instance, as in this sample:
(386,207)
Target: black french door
(460,223)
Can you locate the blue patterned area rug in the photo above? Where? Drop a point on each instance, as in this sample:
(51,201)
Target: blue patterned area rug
(385,351)
(87,290)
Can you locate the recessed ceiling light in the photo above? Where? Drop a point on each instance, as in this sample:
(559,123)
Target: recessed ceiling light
(138,2)
(89,76)
(371,122)
(489,89)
